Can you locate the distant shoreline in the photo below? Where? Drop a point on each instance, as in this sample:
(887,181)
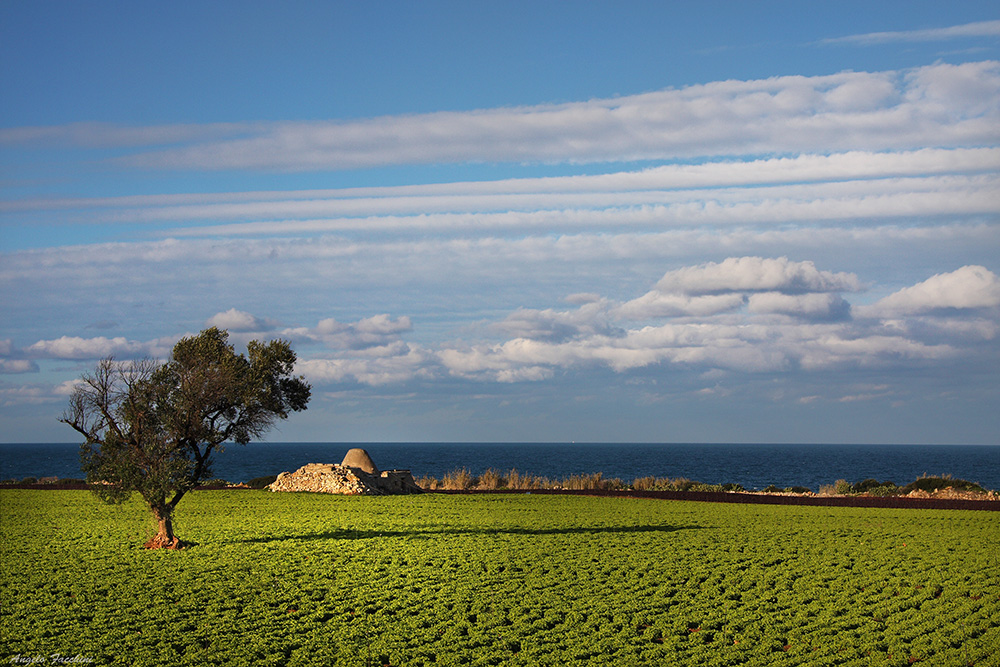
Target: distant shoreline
(753,467)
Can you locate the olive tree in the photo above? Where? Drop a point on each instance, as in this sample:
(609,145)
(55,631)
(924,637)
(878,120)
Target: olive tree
(151,428)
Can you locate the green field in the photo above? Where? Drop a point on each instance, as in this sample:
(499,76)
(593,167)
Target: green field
(302,579)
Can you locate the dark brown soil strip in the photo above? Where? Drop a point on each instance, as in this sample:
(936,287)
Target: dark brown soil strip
(776,499)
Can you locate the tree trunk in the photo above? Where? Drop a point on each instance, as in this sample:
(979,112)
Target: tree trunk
(164,538)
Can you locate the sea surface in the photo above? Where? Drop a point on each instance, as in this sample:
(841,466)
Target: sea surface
(755,466)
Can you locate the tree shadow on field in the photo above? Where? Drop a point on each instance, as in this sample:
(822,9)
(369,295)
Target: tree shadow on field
(440,531)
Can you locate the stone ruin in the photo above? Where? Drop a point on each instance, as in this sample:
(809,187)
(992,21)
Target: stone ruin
(356,475)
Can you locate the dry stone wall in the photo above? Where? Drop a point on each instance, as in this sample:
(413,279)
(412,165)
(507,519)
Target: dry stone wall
(338,478)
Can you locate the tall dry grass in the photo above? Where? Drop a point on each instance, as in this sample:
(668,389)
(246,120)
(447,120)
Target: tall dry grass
(592,482)
(490,480)
(525,482)
(493,480)
(428,483)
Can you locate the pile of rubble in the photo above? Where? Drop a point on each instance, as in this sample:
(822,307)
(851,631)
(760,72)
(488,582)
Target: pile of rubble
(356,475)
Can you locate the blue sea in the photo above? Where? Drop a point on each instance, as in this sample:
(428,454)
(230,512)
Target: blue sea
(755,466)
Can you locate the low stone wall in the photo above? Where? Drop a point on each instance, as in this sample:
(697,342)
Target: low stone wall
(341,479)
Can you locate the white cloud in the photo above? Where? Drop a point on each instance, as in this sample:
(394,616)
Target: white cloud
(969,287)
(807,306)
(869,352)
(923,198)
(655,304)
(373,370)
(74,347)
(590,319)
(701,345)
(954,329)
(548,192)
(383,325)
(405,275)
(17,366)
(378,331)
(938,91)
(525,374)
(26,394)
(772,349)
(845,111)
(36,393)
(67,388)
(582,298)
(966,30)
(795,321)
(739,343)
(755,274)
(78,348)
(235,320)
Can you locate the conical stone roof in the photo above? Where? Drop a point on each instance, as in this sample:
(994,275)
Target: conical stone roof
(358,458)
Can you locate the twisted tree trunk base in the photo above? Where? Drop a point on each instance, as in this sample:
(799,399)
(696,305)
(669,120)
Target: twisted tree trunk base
(164,538)
(163,542)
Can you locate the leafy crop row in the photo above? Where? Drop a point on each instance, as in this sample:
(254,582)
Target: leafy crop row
(512,579)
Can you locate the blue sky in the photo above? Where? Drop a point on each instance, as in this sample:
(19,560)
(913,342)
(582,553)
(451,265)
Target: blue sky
(519,221)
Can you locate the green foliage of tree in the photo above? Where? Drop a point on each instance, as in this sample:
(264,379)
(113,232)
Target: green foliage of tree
(151,427)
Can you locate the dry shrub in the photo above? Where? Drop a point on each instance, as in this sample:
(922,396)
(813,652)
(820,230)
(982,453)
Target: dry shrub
(458,480)
(520,482)
(644,483)
(593,482)
(682,484)
(429,483)
(490,480)
(652,484)
(541,482)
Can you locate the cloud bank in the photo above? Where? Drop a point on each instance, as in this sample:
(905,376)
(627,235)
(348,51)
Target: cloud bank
(968,288)
(744,315)
(935,105)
